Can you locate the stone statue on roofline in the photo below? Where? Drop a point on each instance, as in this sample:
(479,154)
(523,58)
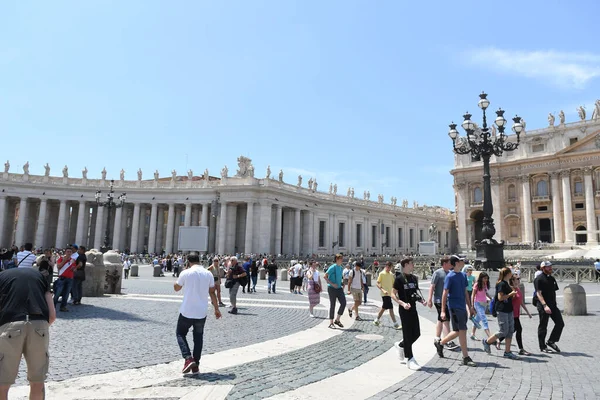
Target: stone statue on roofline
(190,175)
(551,119)
(65,172)
(139,174)
(224,172)
(103,173)
(156,175)
(6,166)
(335,189)
(26,168)
(173,175)
(122,174)
(280,176)
(315,185)
(47,169)
(596,112)
(299,180)
(581,112)
(268,176)
(244,166)
(561,117)
(84,172)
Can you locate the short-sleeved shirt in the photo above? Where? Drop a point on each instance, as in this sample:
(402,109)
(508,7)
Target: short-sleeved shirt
(246,266)
(68,271)
(386,281)
(356,278)
(437,280)
(456,283)
(506,305)
(546,284)
(196,282)
(516,303)
(406,287)
(25,259)
(22,292)
(334,274)
(272,270)
(597,266)
(470,281)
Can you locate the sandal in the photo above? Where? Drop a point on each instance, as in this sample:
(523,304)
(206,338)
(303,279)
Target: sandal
(524,352)
(338,323)
(358,318)
(331,326)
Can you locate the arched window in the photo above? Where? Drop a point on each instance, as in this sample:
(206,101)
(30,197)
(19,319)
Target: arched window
(477,195)
(512,192)
(542,188)
(578,186)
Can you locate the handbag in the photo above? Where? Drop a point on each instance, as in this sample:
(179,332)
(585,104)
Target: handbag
(317,287)
(229,283)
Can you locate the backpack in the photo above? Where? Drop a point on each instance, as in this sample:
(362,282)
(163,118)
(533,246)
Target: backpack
(493,306)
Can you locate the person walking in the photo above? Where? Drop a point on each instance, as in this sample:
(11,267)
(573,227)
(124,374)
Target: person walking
(216,273)
(479,300)
(27,314)
(385,283)
(314,287)
(355,284)
(518,303)
(198,285)
(504,309)
(239,277)
(335,290)
(597,268)
(365,286)
(62,287)
(254,275)
(272,275)
(546,288)
(126,268)
(246,266)
(406,293)
(436,291)
(455,298)
(78,275)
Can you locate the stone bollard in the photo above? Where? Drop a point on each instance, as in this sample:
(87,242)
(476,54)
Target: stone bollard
(112,264)
(283,275)
(157,271)
(134,270)
(95,274)
(263,274)
(575,301)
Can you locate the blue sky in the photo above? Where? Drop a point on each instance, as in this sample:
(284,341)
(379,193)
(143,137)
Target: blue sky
(351,92)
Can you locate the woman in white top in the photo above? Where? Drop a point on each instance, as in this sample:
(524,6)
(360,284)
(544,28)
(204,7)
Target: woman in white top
(314,286)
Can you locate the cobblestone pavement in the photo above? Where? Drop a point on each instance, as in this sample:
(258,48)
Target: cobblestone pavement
(118,333)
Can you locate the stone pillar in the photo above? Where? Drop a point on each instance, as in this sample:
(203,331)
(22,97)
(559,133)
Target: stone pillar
(204,216)
(2,219)
(80,223)
(249,228)
(41,225)
(297,231)
(567,205)
(264,235)
(222,227)
(61,228)
(590,213)
(135,228)
(170,228)
(278,222)
(20,235)
(188,215)
(556,220)
(310,217)
(496,201)
(526,206)
(160,233)
(461,218)
(152,233)
(195,216)
(142,228)
(117,228)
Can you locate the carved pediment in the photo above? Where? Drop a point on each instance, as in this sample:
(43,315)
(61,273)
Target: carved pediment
(586,144)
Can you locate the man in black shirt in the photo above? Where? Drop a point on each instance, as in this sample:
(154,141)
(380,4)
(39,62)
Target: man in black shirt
(546,287)
(272,275)
(78,275)
(26,313)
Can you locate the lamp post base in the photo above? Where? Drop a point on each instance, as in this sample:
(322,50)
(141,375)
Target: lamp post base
(104,249)
(490,255)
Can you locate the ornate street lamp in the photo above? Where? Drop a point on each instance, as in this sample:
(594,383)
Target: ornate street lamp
(483,143)
(109,204)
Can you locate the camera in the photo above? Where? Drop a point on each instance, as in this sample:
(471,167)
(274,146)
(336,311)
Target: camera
(416,297)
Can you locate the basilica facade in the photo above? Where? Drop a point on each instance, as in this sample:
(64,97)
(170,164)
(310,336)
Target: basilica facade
(548,190)
(244,214)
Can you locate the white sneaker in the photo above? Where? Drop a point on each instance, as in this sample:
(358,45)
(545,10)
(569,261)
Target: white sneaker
(400,352)
(397,327)
(312,316)
(412,364)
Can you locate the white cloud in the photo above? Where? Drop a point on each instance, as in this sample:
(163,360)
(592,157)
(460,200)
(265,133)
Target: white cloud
(563,69)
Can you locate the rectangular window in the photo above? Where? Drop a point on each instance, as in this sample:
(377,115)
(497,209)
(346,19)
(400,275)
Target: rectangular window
(572,141)
(543,208)
(578,187)
(439,237)
(387,236)
(421,235)
(358,235)
(322,226)
(341,231)
(579,206)
(514,231)
(374,236)
(411,238)
(447,238)
(400,241)
(537,148)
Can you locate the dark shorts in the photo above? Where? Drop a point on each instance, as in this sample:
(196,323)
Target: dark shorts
(387,303)
(216,279)
(458,318)
(438,307)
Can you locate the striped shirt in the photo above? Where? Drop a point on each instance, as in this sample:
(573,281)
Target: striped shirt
(25,259)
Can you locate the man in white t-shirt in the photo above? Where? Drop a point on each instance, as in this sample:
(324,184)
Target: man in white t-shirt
(199,285)
(26,258)
(126,267)
(297,271)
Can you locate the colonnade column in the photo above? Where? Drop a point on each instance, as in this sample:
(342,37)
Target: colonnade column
(297,231)
(222,226)
(152,233)
(41,225)
(590,213)
(2,218)
(311,232)
(98,232)
(567,205)
(117,228)
(264,238)
(462,217)
(195,216)
(60,231)
(278,222)
(170,228)
(498,220)
(204,215)
(187,220)
(249,228)
(556,221)
(135,228)
(20,235)
(526,205)
(80,218)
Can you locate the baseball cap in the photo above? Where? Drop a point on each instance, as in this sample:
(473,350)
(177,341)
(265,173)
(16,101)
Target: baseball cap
(74,246)
(456,258)
(545,264)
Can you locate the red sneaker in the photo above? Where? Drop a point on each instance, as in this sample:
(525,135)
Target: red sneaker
(188,365)
(195,370)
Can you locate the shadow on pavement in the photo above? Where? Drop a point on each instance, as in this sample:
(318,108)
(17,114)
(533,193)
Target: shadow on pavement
(212,377)
(434,370)
(89,311)
(490,364)
(574,354)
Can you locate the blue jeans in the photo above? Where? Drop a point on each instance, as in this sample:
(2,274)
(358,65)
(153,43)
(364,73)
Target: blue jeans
(272,280)
(365,291)
(254,279)
(183,327)
(77,290)
(62,288)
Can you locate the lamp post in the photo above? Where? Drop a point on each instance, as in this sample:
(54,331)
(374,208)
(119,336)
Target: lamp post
(109,204)
(484,142)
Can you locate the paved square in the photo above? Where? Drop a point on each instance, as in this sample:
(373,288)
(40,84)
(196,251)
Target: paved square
(124,347)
